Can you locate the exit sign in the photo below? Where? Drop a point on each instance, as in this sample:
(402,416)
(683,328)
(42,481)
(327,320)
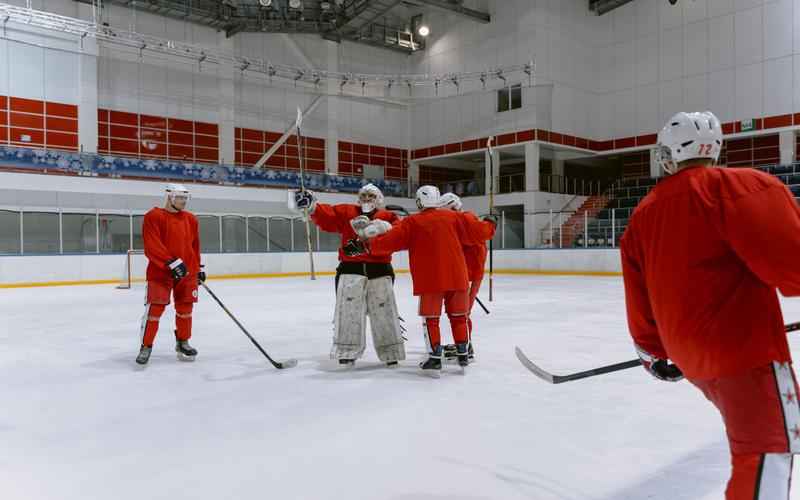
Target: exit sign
(748,125)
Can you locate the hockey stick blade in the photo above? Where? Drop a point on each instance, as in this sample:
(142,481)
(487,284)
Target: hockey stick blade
(560,379)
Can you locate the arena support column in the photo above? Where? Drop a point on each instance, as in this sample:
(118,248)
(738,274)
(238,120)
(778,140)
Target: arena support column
(227,105)
(332,139)
(788,140)
(532,161)
(87,89)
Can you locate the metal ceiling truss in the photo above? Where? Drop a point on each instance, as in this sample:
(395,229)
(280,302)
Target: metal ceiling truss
(457,7)
(308,78)
(601,7)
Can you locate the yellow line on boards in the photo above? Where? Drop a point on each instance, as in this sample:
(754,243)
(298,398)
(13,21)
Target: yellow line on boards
(519,272)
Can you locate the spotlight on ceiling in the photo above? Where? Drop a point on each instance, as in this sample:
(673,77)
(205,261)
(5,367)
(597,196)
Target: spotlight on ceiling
(295,4)
(424,30)
(265,3)
(325,6)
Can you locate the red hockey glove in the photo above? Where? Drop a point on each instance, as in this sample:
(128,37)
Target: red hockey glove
(659,368)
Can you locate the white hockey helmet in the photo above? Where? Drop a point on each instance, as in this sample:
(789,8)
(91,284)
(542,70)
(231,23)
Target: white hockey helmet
(451,201)
(688,136)
(176,191)
(370,198)
(428,197)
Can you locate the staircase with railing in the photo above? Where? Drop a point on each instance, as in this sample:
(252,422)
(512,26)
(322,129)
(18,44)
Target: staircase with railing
(575,226)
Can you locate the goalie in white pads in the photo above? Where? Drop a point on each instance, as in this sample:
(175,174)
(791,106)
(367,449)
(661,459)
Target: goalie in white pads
(364,284)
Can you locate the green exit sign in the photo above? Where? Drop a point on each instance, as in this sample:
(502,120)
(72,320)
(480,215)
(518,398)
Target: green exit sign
(748,125)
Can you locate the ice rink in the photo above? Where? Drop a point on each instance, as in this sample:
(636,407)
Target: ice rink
(80,421)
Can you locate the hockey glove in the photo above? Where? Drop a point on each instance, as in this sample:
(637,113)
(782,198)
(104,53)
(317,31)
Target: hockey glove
(305,200)
(491,218)
(355,247)
(178,269)
(659,368)
(201,276)
(359,224)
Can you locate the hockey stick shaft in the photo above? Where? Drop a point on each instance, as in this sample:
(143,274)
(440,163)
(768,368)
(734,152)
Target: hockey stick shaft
(478,300)
(303,189)
(559,379)
(491,211)
(244,330)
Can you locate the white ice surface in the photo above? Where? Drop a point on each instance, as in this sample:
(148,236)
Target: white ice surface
(80,421)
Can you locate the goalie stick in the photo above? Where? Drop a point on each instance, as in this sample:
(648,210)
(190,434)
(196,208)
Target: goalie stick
(560,379)
(289,363)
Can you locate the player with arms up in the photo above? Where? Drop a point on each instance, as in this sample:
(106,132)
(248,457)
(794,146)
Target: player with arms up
(434,240)
(364,283)
(172,246)
(475,256)
(702,258)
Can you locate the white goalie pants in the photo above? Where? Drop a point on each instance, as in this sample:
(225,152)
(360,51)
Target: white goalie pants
(356,299)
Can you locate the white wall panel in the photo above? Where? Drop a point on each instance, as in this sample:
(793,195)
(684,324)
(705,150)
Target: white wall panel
(720,39)
(648,117)
(749,91)
(749,36)
(796,93)
(695,92)
(778,83)
(671,16)
(671,99)
(722,94)
(778,23)
(746,4)
(647,60)
(672,42)
(695,48)
(695,10)
(720,7)
(26,65)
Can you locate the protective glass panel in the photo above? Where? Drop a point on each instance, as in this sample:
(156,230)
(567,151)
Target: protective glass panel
(40,233)
(138,241)
(257,232)
(329,242)
(209,233)
(300,239)
(9,232)
(234,234)
(115,233)
(79,233)
(280,234)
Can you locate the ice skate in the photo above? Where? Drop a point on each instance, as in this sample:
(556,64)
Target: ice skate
(462,351)
(185,351)
(433,365)
(347,364)
(144,355)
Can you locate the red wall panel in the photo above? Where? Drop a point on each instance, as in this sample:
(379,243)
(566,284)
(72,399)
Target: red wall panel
(62,140)
(61,110)
(25,120)
(27,105)
(61,124)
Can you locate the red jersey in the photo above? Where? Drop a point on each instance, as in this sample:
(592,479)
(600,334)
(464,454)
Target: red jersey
(336,219)
(433,239)
(475,255)
(168,236)
(702,257)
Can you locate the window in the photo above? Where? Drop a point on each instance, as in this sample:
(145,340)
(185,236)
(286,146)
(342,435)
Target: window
(209,233)
(80,233)
(257,232)
(115,233)
(234,234)
(40,233)
(9,232)
(138,240)
(509,98)
(280,234)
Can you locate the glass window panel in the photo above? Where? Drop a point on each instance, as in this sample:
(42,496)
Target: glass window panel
(329,242)
(233,234)
(79,233)
(115,233)
(300,239)
(502,100)
(257,231)
(9,232)
(138,241)
(40,233)
(209,233)
(516,97)
(280,234)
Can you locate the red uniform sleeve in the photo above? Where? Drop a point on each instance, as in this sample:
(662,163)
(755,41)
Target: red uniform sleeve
(763,228)
(327,218)
(641,323)
(399,238)
(154,247)
(480,230)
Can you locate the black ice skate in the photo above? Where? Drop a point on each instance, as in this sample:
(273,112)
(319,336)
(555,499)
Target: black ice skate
(450,351)
(144,355)
(347,363)
(392,364)
(433,365)
(462,351)
(185,351)
(471,352)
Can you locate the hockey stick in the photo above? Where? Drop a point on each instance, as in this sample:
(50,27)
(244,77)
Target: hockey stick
(491,211)
(478,300)
(289,363)
(397,208)
(300,148)
(560,379)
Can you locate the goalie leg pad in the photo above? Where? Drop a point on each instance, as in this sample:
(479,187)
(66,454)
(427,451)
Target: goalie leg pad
(384,320)
(350,321)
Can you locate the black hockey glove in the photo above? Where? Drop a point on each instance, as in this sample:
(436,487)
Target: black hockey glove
(201,276)
(355,247)
(305,200)
(659,368)
(178,269)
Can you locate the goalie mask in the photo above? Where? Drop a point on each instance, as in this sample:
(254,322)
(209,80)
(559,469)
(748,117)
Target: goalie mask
(370,198)
(688,136)
(177,196)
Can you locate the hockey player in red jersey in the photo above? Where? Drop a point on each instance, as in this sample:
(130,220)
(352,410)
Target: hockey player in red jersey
(364,283)
(702,258)
(172,247)
(434,239)
(475,256)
